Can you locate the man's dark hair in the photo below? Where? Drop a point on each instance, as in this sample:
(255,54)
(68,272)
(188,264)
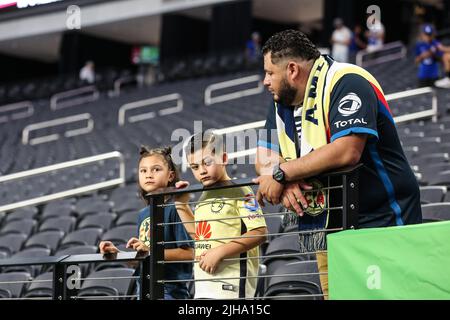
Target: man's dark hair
(290,44)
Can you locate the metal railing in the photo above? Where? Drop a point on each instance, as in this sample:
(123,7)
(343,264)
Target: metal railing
(63,194)
(209,100)
(150,102)
(430,113)
(388,52)
(340,188)
(74,97)
(67,280)
(54,123)
(18,115)
(119,83)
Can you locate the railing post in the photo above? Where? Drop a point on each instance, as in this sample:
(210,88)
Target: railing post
(59,281)
(156,251)
(145,278)
(350,199)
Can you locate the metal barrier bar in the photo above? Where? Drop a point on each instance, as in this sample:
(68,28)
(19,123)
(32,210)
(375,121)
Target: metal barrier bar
(57,122)
(55,103)
(64,165)
(209,100)
(17,106)
(385,48)
(120,82)
(246,277)
(285,255)
(253,236)
(149,102)
(236,218)
(347,181)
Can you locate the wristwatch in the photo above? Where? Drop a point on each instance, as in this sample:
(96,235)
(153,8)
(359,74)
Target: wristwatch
(278,175)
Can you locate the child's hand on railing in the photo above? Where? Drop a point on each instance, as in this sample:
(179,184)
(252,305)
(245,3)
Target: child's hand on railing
(184,197)
(137,245)
(210,260)
(107,247)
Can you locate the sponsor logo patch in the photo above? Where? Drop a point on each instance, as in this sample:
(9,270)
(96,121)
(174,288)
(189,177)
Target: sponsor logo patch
(349,104)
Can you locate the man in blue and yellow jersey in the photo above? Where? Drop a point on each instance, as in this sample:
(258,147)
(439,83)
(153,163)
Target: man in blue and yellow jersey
(329,115)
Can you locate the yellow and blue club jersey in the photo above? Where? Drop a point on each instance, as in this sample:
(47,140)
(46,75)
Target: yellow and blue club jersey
(218,204)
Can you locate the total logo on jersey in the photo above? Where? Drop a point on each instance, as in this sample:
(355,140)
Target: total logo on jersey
(344,123)
(349,104)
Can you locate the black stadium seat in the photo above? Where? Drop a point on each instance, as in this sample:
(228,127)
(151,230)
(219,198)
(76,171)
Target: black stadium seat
(436,212)
(109,287)
(13,289)
(88,236)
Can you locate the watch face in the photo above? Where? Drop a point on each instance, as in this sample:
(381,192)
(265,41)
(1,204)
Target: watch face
(279,175)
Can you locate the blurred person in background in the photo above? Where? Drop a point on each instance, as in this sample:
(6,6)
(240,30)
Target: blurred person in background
(340,40)
(427,57)
(375,35)
(87,73)
(253,49)
(358,41)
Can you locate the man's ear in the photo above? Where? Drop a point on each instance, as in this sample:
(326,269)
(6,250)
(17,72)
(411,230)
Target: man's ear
(293,70)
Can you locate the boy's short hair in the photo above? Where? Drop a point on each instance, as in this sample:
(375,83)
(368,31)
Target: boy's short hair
(205,139)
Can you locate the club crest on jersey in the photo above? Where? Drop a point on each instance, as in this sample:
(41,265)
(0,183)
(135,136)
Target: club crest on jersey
(250,202)
(349,104)
(317,199)
(144,231)
(217,205)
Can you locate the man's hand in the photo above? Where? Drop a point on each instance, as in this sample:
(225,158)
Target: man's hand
(269,189)
(137,245)
(292,196)
(210,260)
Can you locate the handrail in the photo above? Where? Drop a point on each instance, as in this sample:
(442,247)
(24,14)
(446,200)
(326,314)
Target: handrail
(119,82)
(235,95)
(431,113)
(68,193)
(389,46)
(148,102)
(16,106)
(55,104)
(56,122)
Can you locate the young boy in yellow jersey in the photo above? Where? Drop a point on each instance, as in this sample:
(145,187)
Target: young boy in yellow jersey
(207,159)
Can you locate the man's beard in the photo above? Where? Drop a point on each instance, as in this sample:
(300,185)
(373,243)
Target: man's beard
(287,94)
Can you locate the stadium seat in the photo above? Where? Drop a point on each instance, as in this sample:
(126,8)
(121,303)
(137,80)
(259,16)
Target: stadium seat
(64,224)
(436,212)
(11,243)
(45,239)
(286,244)
(41,286)
(101,220)
(301,282)
(63,210)
(88,236)
(33,270)
(13,289)
(93,286)
(120,235)
(23,213)
(432,194)
(127,218)
(25,226)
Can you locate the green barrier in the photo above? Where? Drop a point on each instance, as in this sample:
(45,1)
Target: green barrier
(409,262)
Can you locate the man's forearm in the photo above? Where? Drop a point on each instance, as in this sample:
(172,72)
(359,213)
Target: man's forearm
(331,156)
